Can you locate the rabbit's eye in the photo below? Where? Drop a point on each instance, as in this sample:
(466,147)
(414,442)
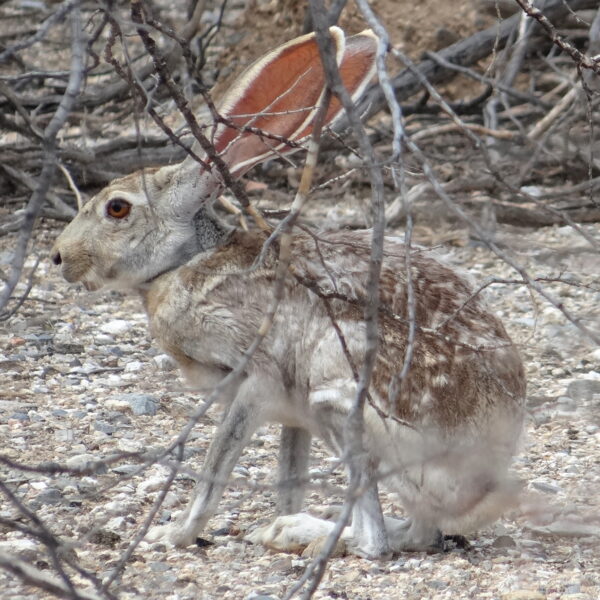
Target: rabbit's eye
(118,208)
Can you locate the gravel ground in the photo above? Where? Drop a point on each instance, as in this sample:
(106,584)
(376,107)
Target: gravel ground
(80,380)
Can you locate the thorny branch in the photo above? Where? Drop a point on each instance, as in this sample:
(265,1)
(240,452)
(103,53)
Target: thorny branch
(441,193)
(182,104)
(584,61)
(361,475)
(27,121)
(49,163)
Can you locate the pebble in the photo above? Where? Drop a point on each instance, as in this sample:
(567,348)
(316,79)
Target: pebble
(116,327)
(19,416)
(523,595)
(568,529)
(141,404)
(153,484)
(105,427)
(126,445)
(504,541)
(164,362)
(116,524)
(69,348)
(171,499)
(24,548)
(281,564)
(114,381)
(545,486)
(51,496)
(159,567)
(583,389)
(64,435)
(81,461)
(125,469)
(134,366)
(115,508)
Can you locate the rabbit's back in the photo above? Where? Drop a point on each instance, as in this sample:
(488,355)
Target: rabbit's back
(462,362)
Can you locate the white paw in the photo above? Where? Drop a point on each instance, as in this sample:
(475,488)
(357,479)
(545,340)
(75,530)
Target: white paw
(291,533)
(408,535)
(174,533)
(158,533)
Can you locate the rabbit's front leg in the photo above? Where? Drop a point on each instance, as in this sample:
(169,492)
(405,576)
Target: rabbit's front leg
(241,420)
(294,454)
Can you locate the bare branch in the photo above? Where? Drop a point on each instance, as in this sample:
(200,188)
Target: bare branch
(50,144)
(584,61)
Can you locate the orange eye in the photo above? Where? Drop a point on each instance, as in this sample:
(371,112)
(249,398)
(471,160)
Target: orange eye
(118,208)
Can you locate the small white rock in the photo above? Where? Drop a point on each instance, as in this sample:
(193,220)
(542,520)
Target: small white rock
(150,485)
(116,508)
(116,327)
(126,445)
(116,524)
(114,381)
(18,545)
(164,362)
(171,499)
(103,338)
(80,461)
(116,404)
(134,366)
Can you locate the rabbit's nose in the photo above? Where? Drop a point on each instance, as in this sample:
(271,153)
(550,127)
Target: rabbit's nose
(56,259)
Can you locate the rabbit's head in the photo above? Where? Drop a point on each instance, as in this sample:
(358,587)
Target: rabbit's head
(134,229)
(156,219)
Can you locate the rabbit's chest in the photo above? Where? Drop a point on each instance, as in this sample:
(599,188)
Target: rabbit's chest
(210,330)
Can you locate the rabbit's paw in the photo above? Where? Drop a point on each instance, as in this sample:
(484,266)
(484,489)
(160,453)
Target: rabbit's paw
(158,533)
(291,533)
(345,545)
(409,535)
(173,533)
(306,534)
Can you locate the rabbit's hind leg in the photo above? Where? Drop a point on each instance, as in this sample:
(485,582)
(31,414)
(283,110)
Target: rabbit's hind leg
(366,537)
(301,532)
(294,455)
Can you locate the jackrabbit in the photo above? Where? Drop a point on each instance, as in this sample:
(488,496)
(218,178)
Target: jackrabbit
(442,436)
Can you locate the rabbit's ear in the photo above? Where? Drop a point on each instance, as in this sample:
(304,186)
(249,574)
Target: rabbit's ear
(356,70)
(280,94)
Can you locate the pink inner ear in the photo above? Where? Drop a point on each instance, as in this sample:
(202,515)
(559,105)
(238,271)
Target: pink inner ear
(357,63)
(279,94)
(279,100)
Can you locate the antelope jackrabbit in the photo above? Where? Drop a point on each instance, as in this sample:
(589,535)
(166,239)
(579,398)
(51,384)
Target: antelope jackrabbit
(442,437)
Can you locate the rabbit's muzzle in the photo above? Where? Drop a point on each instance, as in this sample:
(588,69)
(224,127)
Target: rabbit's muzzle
(75,264)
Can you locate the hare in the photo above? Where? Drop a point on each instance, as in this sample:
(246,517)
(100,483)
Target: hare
(442,437)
